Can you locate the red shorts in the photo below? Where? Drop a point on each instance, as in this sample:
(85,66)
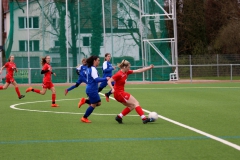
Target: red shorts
(47,85)
(9,79)
(122,96)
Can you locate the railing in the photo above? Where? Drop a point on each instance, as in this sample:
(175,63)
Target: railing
(158,73)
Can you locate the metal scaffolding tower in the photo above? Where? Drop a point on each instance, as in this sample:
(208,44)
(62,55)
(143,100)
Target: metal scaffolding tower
(168,10)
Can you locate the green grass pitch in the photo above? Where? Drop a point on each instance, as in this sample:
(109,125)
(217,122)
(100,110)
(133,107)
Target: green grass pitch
(38,131)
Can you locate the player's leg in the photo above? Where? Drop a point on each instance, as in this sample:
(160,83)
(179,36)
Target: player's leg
(135,104)
(107,95)
(5,86)
(122,98)
(124,112)
(42,92)
(79,81)
(17,90)
(53,96)
(95,100)
(102,85)
(83,101)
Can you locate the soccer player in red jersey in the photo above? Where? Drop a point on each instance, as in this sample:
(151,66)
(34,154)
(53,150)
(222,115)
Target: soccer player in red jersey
(124,97)
(47,80)
(11,67)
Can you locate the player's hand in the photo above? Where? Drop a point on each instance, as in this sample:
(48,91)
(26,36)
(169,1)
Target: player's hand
(151,66)
(54,74)
(107,78)
(113,91)
(114,67)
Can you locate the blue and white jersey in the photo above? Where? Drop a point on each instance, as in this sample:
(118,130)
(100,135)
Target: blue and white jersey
(107,69)
(92,84)
(82,69)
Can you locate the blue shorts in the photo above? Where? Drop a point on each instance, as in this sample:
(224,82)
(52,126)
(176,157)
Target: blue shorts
(94,97)
(80,80)
(104,84)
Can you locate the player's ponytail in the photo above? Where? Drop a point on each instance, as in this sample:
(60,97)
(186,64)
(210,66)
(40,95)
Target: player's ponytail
(43,61)
(123,64)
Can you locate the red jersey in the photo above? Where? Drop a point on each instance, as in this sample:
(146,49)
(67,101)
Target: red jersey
(10,67)
(47,75)
(120,79)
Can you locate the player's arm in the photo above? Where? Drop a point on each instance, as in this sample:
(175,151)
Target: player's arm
(53,73)
(143,69)
(44,71)
(78,69)
(2,69)
(110,84)
(96,78)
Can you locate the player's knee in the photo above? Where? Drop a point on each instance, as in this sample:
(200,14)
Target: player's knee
(42,93)
(77,84)
(98,104)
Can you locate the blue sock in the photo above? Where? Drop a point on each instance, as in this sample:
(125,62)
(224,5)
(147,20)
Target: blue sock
(71,88)
(88,111)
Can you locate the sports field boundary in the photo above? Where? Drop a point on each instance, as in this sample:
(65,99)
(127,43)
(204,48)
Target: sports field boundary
(185,81)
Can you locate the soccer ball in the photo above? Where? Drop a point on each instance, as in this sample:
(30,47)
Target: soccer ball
(153,115)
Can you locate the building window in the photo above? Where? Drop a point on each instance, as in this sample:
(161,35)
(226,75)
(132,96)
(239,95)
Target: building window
(121,23)
(33,22)
(86,41)
(22,46)
(33,45)
(56,44)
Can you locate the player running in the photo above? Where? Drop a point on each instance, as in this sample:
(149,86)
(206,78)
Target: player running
(107,72)
(81,71)
(47,80)
(11,67)
(123,97)
(92,80)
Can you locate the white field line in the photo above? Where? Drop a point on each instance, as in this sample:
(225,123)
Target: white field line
(194,129)
(43,111)
(162,117)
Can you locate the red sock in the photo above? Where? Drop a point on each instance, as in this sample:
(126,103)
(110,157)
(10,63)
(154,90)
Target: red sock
(37,91)
(53,98)
(140,112)
(18,92)
(125,111)
(1,87)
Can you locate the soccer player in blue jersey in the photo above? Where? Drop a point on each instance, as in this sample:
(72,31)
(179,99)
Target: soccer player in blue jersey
(92,80)
(81,71)
(107,72)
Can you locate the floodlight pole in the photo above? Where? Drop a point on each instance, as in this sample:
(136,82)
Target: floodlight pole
(1,35)
(141,35)
(67,41)
(79,52)
(104,31)
(111,31)
(175,35)
(28,45)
